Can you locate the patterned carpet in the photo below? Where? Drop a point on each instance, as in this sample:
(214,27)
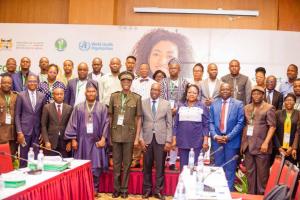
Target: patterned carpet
(107,196)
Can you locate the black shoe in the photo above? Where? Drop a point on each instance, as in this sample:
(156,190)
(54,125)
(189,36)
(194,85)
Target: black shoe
(159,196)
(172,167)
(124,195)
(115,194)
(147,195)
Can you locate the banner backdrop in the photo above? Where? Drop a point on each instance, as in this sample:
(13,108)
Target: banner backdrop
(274,50)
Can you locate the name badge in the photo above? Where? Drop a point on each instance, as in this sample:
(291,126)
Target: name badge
(7,118)
(120,119)
(172,103)
(89,128)
(286,138)
(250,130)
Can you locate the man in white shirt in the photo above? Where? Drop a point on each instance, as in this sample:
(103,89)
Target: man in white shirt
(97,66)
(142,85)
(110,83)
(210,87)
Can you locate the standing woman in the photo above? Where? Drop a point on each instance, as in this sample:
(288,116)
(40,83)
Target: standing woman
(191,125)
(287,129)
(47,87)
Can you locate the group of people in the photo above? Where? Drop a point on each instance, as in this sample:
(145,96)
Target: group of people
(133,114)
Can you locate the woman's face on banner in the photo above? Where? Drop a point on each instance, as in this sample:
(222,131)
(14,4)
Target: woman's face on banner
(161,53)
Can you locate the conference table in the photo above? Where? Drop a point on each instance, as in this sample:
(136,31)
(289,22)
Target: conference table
(74,183)
(215,185)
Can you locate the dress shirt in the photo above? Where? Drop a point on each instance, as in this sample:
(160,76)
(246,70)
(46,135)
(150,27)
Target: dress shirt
(226,113)
(96,77)
(80,92)
(156,103)
(271,92)
(211,86)
(61,106)
(30,96)
(142,86)
(286,88)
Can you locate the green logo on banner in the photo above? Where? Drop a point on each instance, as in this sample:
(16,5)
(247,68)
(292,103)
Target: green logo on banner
(60,44)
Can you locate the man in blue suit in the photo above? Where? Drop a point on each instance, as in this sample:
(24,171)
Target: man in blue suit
(226,125)
(20,78)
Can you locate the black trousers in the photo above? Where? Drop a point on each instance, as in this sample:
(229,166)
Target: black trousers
(155,152)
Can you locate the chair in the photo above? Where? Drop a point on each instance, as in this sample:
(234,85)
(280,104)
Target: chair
(5,159)
(289,176)
(274,176)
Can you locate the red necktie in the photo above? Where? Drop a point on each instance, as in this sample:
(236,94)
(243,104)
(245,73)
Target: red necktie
(58,112)
(222,124)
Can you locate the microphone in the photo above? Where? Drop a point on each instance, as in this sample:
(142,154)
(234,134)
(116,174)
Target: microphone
(31,171)
(40,146)
(217,150)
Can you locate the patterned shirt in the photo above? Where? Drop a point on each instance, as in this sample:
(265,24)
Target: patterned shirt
(46,89)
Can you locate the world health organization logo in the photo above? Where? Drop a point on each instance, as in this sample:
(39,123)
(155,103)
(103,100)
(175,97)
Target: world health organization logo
(60,44)
(84,45)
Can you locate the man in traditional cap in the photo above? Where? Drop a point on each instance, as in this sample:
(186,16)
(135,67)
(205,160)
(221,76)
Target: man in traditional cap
(257,140)
(88,131)
(125,116)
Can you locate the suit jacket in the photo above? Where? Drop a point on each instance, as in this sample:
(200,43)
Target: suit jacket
(295,128)
(52,128)
(243,87)
(205,89)
(264,118)
(160,124)
(17,81)
(234,124)
(277,100)
(28,121)
(71,91)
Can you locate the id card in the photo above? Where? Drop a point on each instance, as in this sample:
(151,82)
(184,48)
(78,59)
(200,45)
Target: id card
(120,119)
(250,130)
(89,128)
(7,118)
(172,103)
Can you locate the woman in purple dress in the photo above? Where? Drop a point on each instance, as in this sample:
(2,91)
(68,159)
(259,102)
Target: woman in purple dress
(191,125)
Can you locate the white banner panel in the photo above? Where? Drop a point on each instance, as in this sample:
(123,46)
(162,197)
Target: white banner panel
(274,50)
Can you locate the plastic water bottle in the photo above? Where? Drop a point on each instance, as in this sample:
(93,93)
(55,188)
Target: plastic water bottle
(30,163)
(200,175)
(200,163)
(40,160)
(191,158)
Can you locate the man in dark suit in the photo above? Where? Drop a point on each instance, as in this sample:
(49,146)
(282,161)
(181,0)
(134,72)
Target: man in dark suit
(54,121)
(155,139)
(96,74)
(75,92)
(226,126)
(20,78)
(28,112)
(273,96)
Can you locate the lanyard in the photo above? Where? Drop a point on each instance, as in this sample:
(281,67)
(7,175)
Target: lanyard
(90,110)
(7,102)
(252,116)
(123,100)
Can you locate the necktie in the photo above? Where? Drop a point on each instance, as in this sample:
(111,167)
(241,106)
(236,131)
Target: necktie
(222,124)
(59,112)
(33,103)
(269,97)
(153,108)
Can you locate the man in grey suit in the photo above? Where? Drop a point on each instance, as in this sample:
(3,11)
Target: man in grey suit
(210,87)
(28,113)
(75,92)
(155,139)
(54,121)
(240,83)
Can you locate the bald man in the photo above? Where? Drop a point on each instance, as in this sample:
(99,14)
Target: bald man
(96,74)
(210,87)
(110,83)
(75,92)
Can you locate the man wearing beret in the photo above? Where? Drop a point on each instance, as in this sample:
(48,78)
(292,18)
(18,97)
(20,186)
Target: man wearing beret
(125,119)
(257,140)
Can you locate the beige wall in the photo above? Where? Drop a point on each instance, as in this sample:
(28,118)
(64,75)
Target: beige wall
(274,14)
